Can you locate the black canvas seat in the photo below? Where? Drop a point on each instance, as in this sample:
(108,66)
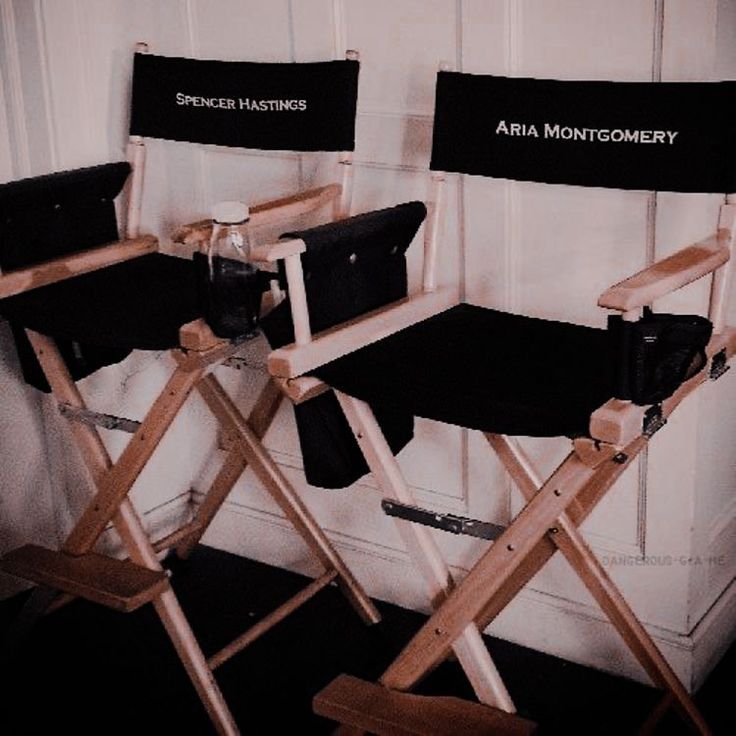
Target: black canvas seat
(509,373)
(139,304)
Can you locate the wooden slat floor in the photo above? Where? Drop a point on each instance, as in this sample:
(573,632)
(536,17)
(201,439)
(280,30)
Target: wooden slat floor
(90,670)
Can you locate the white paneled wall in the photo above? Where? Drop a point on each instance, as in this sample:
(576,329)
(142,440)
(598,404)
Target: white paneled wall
(548,251)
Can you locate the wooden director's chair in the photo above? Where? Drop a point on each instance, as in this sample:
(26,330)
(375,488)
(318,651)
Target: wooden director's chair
(78,298)
(503,374)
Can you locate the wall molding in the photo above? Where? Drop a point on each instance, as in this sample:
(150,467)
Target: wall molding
(555,625)
(10,56)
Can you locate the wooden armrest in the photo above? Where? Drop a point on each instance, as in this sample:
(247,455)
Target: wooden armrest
(619,422)
(273,252)
(295,360)
(266,213)
(668,275)
(65,267)
(302,389)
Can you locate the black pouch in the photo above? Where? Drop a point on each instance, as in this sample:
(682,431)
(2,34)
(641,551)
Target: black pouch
(657,353)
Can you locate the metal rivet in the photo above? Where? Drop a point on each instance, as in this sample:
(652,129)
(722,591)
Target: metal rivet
(439,632)
(353,257)
(57,206)
(620,458)
(554,530)
(557,492)
(394,250)
(510,547)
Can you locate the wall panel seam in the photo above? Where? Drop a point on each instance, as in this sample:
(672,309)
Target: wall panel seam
(15,89)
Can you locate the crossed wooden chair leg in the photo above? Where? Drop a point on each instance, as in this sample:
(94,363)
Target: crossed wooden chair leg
(549,522)
(361,709)
(127,584)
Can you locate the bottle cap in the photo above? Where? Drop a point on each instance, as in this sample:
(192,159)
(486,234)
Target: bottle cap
(230,213)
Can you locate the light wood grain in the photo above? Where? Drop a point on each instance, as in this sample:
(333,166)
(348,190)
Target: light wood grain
(272,252)
(116,483)
(283,493)
(269,621)
(433,230)
(302,389)
(721,287)
(128,525)
(295,360)
(123,586)
(259,420)
(137,158)
(568,539)
(468,645)
(66,267)
(375,709)
(197,336)
(667,275)
(265,213)
(432,643)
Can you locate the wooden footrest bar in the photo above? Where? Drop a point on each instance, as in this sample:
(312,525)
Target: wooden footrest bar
(375,709)
(273,618)
(116,584)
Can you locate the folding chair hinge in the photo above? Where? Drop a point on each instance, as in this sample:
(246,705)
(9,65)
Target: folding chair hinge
(94,418)
(446,522)
(653,420)
(718,365)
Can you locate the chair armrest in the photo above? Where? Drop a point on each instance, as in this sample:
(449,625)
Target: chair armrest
(266,213)
(295,360)
(272,252)
(668,275)
(65,267)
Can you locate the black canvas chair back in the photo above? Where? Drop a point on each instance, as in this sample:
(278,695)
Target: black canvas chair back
(290,106)
(49,216)
(675,136)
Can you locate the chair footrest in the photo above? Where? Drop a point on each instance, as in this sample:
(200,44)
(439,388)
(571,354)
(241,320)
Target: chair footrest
(373,708)
(117,584)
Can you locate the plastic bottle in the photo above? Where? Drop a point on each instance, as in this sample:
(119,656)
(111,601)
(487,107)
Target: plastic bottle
(232,294)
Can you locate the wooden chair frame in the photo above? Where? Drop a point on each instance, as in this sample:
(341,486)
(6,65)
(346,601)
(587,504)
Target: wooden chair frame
(125,585)
(555,508)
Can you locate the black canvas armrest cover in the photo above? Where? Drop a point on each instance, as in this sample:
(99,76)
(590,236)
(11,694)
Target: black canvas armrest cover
(350,267)
(49,216)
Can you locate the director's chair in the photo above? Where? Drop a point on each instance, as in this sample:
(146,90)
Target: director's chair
(503,374)
(79,299)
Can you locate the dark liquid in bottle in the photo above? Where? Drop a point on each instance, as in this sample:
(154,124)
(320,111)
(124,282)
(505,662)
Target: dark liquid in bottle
(230,295)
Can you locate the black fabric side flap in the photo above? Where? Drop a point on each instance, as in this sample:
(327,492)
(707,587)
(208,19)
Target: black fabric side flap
(48,216)
(289,106)
(657,353)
